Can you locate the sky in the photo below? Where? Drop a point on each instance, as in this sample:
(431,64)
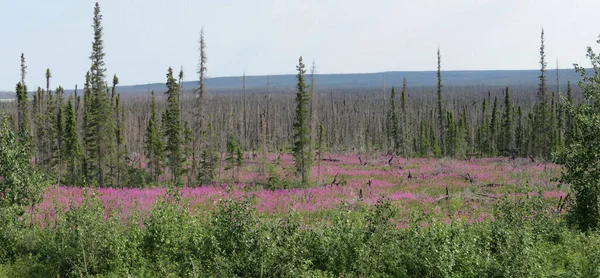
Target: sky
(261,37)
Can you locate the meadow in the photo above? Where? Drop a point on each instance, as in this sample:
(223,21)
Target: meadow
(448,189)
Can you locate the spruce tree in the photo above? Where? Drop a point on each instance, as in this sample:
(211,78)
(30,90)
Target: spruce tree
(23,120)
(72,149)
(507,136)
(302,155)
(233,156)
(451,135)
(173,130)
(405,128)
(120,139)
(494,131)
(520,133)
(541,137)
(424,144)
(154,145)
(568,116)
(483,132)
(59,118)
(440,101)
(394,123)
(100,142)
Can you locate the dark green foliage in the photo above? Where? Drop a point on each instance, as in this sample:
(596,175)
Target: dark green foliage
(120,166)
(173,130)
(520,133)
(154,145)
(507,135)
(580,156)
(302,142)
(483,132)
(207,166)
(424,146)
(235,157)
(394,124)
(494,130)
(23,120)
(73,151)
(405,138)
(100,122)
(542,133)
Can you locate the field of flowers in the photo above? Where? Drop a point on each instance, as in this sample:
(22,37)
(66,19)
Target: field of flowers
(446,190)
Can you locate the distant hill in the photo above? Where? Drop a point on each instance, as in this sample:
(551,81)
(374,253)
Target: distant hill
(365,81)
(358,81)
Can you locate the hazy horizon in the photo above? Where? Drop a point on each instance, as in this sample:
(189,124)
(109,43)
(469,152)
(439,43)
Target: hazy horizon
(142,39)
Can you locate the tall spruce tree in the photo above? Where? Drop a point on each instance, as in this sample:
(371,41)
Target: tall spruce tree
(173,130)
(302,155)
(23,119)
(541,133)
(100,140)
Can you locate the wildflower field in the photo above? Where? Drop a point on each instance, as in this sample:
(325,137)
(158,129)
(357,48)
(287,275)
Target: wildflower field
(447,190)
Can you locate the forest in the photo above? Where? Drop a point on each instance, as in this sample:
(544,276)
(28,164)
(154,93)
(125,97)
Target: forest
(447,181)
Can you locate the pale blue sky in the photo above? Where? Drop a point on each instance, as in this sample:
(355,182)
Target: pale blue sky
(144,38)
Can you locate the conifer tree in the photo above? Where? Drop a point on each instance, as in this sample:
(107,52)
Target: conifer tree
(520,133)
(301,126)
(568,116)
(100,140)
(483,132)
(173,131)
(59,132)
(424,146)
(72,150)
(154,143)
(435,145)
(541,134)
(234,157)
(493,139)
(23,120)
(121,140)
(452,134)
(405,128)
(394,123)
(440,100)
(507,136)
(23,69)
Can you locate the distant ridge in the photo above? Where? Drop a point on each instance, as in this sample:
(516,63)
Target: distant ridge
(357,81)
(363,81)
